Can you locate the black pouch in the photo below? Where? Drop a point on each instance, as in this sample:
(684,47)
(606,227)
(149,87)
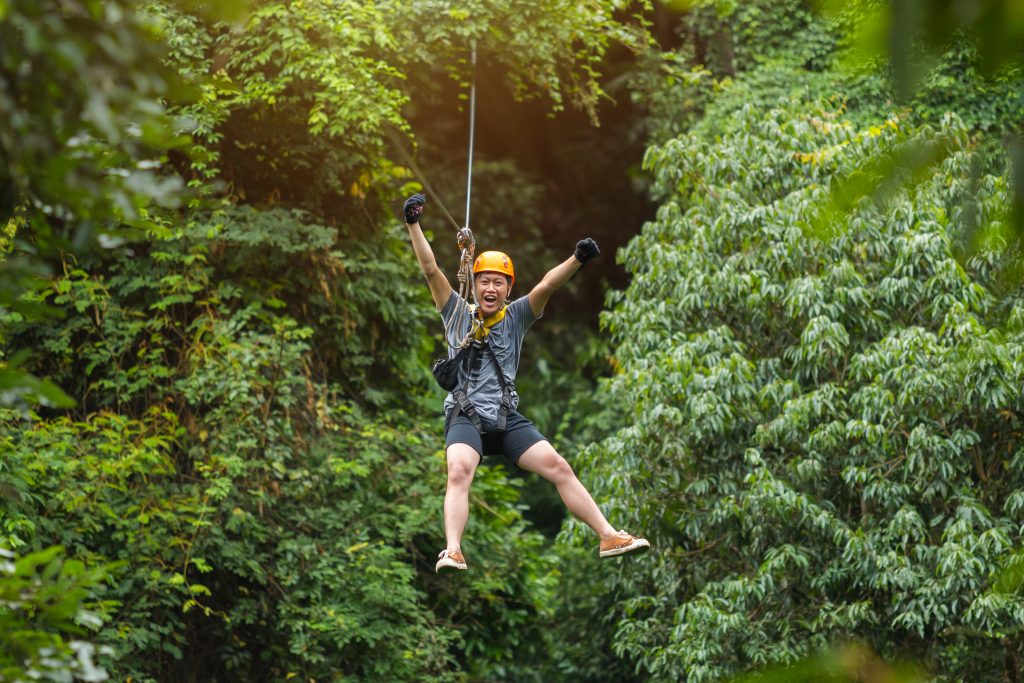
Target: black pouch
(446,370)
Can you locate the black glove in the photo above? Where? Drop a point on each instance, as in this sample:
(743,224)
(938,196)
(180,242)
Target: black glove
(586,250)
(414,208)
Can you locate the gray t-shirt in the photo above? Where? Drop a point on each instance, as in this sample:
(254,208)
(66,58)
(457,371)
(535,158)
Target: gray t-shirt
(506,338)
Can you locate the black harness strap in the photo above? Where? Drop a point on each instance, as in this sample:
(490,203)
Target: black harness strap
(506,392)
(463,404)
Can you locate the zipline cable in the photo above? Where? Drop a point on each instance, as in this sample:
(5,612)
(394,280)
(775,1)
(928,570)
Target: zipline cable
(466,242)
(464,237)
(472,127)
(420,176)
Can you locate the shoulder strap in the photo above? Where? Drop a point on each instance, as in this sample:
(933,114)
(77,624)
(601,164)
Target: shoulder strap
(506,392)
(497,366)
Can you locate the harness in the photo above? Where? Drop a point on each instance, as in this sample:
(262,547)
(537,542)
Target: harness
(462,402)
(468,356)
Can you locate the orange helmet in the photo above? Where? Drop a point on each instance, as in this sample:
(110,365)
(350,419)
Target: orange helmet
(495,262)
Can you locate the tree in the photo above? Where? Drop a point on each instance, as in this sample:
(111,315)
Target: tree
(822,437)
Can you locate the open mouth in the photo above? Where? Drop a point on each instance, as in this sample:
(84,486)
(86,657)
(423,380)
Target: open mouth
(490,299)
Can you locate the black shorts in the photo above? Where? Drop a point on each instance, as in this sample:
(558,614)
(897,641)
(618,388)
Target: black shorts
(519,435)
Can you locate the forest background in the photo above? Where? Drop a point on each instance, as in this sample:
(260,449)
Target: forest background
(797,369)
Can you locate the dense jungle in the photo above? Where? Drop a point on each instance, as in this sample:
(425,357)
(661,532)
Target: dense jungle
(797,366)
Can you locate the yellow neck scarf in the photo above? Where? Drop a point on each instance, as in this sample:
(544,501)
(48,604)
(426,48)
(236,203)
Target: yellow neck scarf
(489,322)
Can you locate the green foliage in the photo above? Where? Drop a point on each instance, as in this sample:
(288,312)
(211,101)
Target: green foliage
(309,93)
(777,51)
(44,611)
(671,90)
(255,446)
(824,433)
(849,663)
(550,48)
(913,37)
(82,134)
(966,59)
(82,118)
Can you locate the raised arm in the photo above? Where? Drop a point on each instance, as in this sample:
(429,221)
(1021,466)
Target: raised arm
(560,274)
(440,288)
